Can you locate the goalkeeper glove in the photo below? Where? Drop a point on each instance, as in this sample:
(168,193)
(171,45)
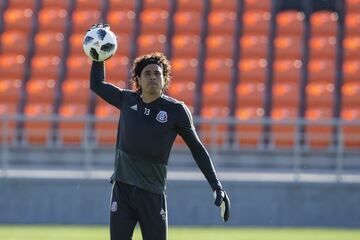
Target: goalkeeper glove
(99,25)
(222,201)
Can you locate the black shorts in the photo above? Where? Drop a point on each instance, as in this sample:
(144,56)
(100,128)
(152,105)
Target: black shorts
(129,205)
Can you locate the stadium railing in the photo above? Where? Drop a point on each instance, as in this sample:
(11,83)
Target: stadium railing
(75,142)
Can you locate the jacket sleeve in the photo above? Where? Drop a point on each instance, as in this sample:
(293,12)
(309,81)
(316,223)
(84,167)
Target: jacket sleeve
(106,91)
(186,129)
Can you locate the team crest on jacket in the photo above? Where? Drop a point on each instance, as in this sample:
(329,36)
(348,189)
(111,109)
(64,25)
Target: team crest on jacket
(161,117)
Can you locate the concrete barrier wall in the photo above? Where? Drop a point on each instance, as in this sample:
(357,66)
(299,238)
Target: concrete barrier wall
(62,201)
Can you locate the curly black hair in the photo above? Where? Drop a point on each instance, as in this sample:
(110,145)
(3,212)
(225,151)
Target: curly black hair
(153,58)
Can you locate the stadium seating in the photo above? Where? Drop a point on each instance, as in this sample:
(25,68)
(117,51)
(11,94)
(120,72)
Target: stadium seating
(71,131)
(106,128)
(38,131)
(8,125)
(321,76)
(43,67)
(214,134)
(286,77)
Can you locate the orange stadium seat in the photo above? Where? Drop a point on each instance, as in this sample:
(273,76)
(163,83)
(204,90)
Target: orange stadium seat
(18,19)
(12,66)
(151,43)
(45,67)
(351,133)
(350,94)
(256,22)
(64,4)
(75,91)
(83,19)
(253,46)
(124,45)
(184,45)
(10,90)
(285,94)
(117,68)
(352,5)
(8,110)
(218,69)
(70,131)
(352,47)
(121,21)
(76,42)
(106,128)
(320,95)
(153,21)
(322,47)
(283,133)
(248,133)
(40,90)
(321,69)
(190,5)
(184,69)
(160,4)
(122,4)
(14,42)
(219,46)
(52,19)
(318,134)
(257,4)
(22,4)
(252,69)
(290,23)
(351,70)
(224,4)
(37,131)
(250,94)
(352,21)
(323,23)
(287,70)
(182,90)
(49,43)
(214,134)
(215,94)
(78,66)
(187,21)
(221,22)
(288,47)
(88,4)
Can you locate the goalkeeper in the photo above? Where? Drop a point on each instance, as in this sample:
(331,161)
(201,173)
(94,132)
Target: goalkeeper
(148,125)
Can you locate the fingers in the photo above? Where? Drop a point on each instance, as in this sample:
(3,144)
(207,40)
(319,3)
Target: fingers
(100,25)
(222,200)
(227,207)
(219,195)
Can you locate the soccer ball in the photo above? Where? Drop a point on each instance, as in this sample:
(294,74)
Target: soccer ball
(100,44)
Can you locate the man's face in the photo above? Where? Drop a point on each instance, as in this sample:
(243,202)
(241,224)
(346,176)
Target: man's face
(151,80)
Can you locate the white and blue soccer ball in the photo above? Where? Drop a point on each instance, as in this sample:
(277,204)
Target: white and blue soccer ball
(100,43)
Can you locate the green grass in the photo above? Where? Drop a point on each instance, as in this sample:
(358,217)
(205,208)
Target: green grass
(36,232)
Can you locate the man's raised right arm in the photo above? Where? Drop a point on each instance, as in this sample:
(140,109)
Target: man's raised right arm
(98,85)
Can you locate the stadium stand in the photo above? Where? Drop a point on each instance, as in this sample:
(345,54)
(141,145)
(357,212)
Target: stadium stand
(266,64)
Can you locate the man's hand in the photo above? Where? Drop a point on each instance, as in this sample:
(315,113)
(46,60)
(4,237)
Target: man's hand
(222,201)
(99,25)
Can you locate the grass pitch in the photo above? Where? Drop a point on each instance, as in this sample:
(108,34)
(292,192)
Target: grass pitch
(50,232)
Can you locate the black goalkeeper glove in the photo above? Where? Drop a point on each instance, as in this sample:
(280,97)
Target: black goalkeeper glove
(99,25)
(222,201)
